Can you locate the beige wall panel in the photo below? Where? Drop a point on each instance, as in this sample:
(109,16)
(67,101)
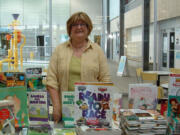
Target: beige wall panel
(165,9)
(114,26)
(133,17)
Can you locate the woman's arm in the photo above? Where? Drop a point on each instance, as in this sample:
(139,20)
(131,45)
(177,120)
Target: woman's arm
(54,94)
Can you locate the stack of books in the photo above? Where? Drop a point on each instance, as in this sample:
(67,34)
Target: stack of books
(139,122)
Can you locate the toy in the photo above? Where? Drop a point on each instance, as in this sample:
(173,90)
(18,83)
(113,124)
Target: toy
(15,38)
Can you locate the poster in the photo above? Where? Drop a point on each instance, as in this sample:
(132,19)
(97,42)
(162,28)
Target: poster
(122,65)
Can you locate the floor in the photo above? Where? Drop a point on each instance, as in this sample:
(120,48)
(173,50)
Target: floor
(121,82)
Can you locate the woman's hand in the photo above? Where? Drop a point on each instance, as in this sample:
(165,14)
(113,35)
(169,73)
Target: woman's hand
(56,113)
(55,98)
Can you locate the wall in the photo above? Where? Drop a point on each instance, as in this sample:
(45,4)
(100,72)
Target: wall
(92,7)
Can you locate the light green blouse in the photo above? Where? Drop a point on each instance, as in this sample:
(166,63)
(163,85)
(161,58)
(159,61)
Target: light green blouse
(74,72)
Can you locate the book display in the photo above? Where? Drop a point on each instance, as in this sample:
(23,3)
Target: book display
(141,122)
(93,108)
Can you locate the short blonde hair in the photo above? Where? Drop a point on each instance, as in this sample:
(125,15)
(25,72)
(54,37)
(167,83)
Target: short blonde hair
(79,16)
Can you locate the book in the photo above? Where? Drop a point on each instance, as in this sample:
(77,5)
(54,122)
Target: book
(19,96)
(117,104)
(59,131)
(45,129)
(11,79)
(142,96)
(174,84)
(34,79)
(93,104)
(7,117)
(174,107)
(38,107)
(68,109)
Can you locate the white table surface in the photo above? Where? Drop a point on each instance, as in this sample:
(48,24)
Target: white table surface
(158,72)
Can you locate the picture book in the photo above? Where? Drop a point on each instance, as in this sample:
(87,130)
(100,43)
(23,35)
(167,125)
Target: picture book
(142,96)
(11,79)
(7,117)
(38,107)
(34,71)
(19,97)
(68,109)
(59,131)
(174,107)
(40,129)
(174,84)
(93,104)
(34,79)
(117,104)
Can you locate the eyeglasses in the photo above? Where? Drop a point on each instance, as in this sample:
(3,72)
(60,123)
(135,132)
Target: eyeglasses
(80,24)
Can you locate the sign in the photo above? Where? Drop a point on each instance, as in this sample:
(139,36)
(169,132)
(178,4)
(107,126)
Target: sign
(122,65)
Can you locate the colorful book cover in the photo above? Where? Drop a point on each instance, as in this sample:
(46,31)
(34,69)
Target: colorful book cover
(38,107)
(142,96)
(40,129)
(11,79)
(93,104)
(7,117)
(117,104)
(174,84)
(68,109)
(58,131)
(34,79)
(19,96)
(174,107)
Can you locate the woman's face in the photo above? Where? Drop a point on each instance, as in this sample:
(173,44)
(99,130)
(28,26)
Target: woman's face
(79,30)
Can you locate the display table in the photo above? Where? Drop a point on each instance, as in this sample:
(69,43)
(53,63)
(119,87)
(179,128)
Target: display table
(159,73)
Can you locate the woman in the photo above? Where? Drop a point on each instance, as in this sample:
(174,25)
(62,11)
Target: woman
(77,60)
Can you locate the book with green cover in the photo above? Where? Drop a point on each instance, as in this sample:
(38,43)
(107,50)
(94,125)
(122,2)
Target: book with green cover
(19,96)
(68,109)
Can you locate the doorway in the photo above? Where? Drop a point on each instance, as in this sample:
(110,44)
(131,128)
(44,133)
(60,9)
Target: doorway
(40,45)
(168,43)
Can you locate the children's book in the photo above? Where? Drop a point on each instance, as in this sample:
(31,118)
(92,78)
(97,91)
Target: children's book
(68,109)
(19,97)
(59,131)
(174,103)
(142,96)
(174,84)
(117,104)
(93,104)
(40,130)
(7,117)
(11,79)
(174,107)
(34,79)
(38,107)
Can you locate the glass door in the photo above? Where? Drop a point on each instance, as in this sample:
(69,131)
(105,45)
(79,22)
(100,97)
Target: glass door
(165,50)
(168,40)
